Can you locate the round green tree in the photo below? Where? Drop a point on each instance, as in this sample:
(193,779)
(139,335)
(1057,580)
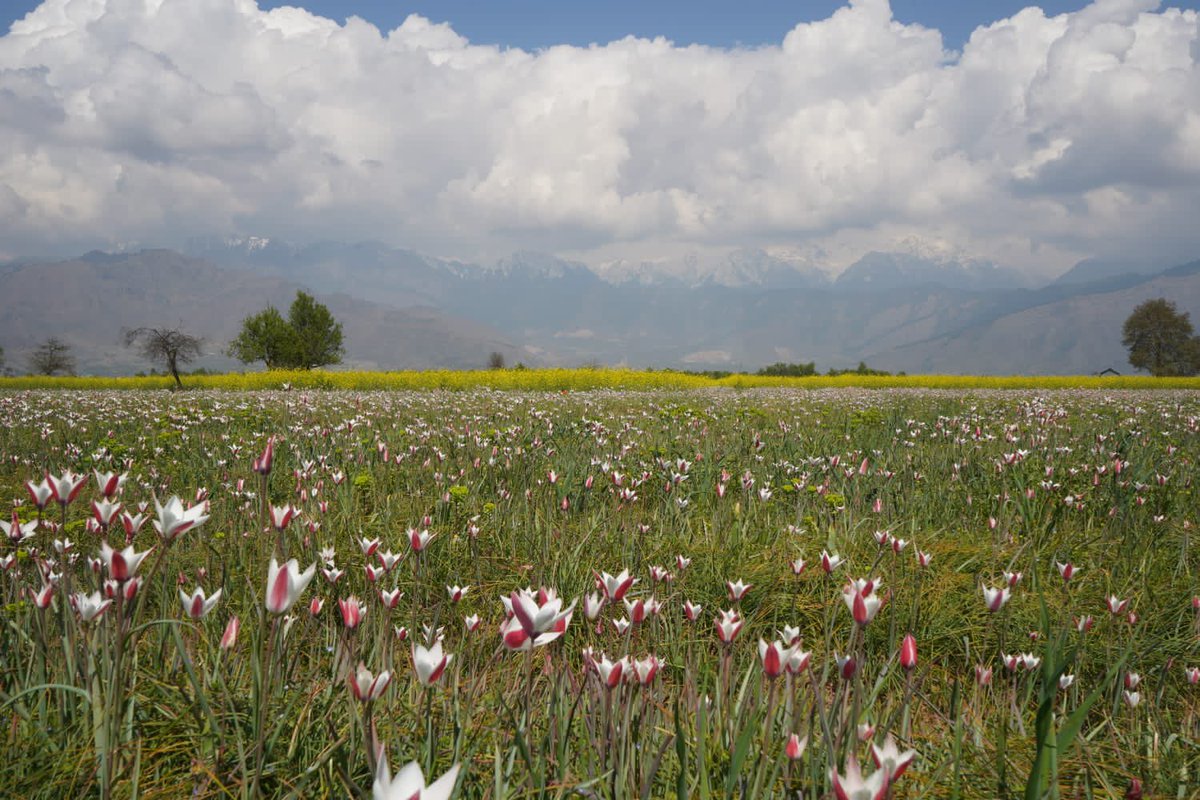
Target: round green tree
(310,337)
(1160,339)
(317,335)
(266,337)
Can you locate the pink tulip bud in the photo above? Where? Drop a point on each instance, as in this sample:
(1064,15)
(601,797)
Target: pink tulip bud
(229,638)
(847,666)
(262,464)
(352,612)
(908,652)
(795,746)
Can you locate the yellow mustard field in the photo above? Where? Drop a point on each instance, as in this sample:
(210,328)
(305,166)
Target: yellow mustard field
(583,380)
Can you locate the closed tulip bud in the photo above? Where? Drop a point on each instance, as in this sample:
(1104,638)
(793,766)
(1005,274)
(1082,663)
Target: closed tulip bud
(983,675)
(847,666)
(1193,673)
(1134,792)
(472,623)
(262,464)
(229,638)
(796,746)
(908,652)
(592,605)
(315,606)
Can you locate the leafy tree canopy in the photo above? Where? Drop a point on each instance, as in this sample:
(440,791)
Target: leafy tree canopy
(310,337)
(1160,340)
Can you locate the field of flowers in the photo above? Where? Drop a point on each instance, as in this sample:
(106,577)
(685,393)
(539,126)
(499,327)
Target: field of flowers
(702,593)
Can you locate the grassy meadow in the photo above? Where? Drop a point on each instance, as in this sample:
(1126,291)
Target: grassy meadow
(880,587)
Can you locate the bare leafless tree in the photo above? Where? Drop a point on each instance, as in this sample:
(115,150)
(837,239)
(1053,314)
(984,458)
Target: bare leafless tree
(167,346)
(52,357)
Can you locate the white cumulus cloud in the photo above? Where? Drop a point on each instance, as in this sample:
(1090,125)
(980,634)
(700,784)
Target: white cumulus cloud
(1044,140)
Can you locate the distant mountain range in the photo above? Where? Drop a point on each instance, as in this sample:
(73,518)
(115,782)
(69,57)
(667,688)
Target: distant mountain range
(88,301)
(914,311)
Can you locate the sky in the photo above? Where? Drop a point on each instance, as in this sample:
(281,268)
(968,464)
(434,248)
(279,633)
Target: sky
(608,132)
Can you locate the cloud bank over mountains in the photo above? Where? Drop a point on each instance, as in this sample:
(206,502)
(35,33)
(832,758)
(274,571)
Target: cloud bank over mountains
(1044,141)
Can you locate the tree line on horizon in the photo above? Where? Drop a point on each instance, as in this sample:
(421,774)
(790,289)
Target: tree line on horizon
(1159,337)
